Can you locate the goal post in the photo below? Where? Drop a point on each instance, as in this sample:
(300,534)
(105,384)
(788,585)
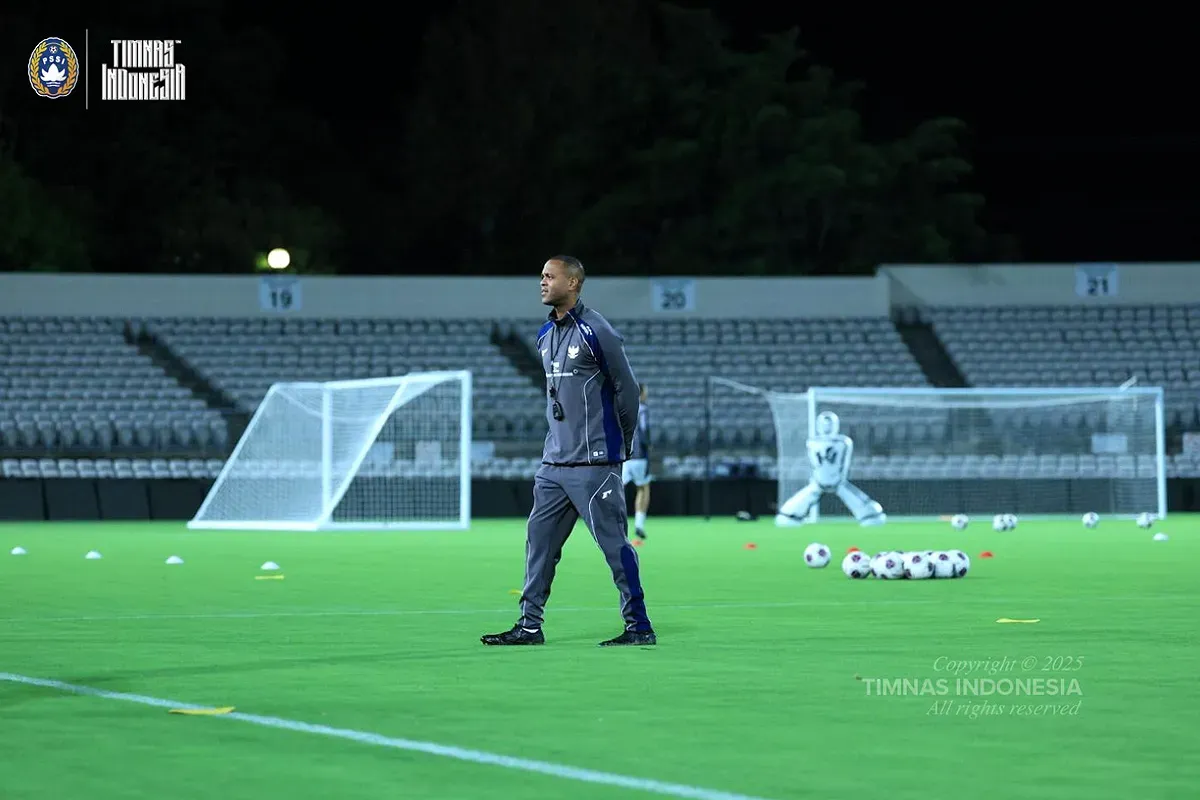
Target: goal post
(379,453)
(739,431)
(928,453)
(1033,452)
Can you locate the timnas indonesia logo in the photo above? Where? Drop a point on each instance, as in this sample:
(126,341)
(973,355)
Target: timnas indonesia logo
(141,69)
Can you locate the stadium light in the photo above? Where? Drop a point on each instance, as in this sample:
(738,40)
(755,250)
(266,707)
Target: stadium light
(278,258)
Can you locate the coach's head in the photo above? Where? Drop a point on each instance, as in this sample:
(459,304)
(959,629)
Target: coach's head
(562,281)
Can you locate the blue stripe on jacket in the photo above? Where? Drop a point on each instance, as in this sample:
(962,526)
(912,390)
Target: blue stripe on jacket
(614,437)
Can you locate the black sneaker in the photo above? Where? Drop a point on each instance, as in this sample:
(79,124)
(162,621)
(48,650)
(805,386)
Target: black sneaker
(638,532)
(517,635)
(633,638)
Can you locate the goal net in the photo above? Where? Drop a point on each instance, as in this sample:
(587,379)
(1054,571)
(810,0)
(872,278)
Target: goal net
(383,453)
(926,452)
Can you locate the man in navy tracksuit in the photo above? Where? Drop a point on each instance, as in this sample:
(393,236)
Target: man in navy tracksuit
(592,401)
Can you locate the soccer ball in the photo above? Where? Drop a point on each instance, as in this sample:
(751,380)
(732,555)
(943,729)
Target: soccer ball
(887,566)
(1145,519)
(1010,522)
(959,522)
(1091,519)
(960,562)
(856,565)
(998,522)
(917,566)
(943,565)
(1004,522)
(816,555)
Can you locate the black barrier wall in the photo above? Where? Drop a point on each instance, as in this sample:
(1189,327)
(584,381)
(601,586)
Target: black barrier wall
(61,500)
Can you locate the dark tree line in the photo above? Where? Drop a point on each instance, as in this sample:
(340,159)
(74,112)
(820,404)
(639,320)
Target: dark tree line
(626,131)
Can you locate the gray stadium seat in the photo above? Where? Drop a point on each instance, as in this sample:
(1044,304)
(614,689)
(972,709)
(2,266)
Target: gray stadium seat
(242,358)
(1052,346)
(83,387)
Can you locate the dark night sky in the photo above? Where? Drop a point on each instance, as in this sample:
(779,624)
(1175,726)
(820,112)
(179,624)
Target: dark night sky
(1081,129)
(1082,132)
(1084,138)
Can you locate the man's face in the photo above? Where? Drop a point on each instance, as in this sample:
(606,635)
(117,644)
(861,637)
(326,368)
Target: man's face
(557,287)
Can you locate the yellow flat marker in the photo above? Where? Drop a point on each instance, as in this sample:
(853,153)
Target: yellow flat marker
(1004,620)
(514,591)
(202,712)
(268,577)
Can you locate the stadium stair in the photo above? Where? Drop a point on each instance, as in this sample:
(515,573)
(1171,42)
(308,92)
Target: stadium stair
(927,349)
(519,354)
(160,354)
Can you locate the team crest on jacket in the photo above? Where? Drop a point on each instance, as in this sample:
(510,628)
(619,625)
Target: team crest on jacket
(53,68)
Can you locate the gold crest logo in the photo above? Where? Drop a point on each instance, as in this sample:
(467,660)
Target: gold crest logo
(53,68)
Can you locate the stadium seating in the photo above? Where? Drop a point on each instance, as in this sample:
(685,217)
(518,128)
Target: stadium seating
(1076,346)
(80,397)
(110,468)
(675,357)
(242,358)
(1073,346)
(81,387)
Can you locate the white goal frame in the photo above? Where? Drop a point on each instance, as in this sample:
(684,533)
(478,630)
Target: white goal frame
(1081,393)
(814,396)
(332,494)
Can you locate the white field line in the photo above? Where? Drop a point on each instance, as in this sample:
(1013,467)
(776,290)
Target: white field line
(873,600)
(429,748)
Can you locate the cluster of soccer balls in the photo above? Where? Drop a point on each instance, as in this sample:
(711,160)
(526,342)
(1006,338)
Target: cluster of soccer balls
(893,564)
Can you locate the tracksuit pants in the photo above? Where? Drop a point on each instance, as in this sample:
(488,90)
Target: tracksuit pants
(561,495)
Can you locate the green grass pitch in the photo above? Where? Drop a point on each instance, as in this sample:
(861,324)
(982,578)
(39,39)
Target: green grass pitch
(759,686)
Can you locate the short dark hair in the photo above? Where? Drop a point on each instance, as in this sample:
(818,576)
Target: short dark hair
(574,267)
